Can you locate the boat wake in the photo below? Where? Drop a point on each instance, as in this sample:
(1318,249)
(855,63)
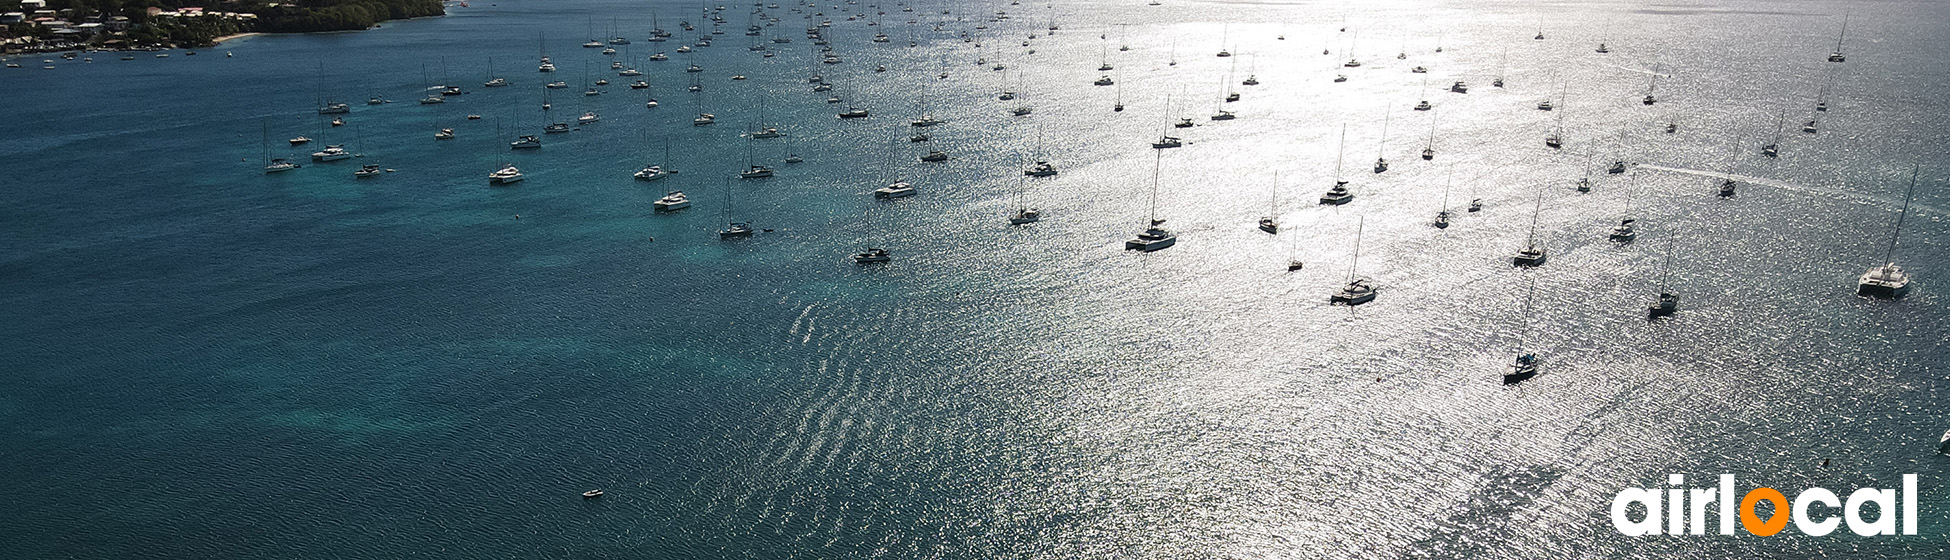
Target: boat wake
(1804,189)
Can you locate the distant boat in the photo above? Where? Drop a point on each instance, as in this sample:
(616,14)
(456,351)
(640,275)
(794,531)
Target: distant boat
(1271,222)
(756,172)
(444,134)
(898,189)
(1357,290)
(1837,55)
(1650,88)
(592,494)
(1526,365)
(526,142)
(1667,302)
(1339,194)
(1627,229)
(1773,147)
(506,175)
(1532,254)
(369,170)
(1153,237)
(871,256)
(1889,281)
(1442,217)
(333,152)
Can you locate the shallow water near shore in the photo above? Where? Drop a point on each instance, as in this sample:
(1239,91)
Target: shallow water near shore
(204,361)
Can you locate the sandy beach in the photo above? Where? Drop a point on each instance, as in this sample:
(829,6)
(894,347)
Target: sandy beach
(220,40)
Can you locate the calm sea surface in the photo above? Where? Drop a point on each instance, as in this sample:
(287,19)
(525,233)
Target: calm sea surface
(205,361)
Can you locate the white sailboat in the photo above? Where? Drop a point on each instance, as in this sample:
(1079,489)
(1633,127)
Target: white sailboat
(1889,281)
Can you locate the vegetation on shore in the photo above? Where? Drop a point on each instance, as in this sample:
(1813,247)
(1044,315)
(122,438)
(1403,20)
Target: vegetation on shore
(296,16)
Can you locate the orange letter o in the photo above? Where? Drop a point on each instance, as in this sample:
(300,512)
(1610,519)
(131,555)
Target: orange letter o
(1773,524)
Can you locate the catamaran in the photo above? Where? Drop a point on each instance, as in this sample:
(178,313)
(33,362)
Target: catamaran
(1889,281)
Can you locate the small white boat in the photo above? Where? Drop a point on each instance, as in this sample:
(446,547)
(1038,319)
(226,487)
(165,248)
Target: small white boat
(333,152)
(526,142)
(1025,216)
(900,189)
(444,134)
(672,201)
(756,172)
(506,175)
(588,117)
(653,172)
(369,170)
(704,119)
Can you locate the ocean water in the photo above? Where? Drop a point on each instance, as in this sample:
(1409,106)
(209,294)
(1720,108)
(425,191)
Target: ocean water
(203,361)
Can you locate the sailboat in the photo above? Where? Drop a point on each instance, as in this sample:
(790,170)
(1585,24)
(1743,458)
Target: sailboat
(1042,167)
(1584,183)
(1653,86)
(1667,302)
(1531,254)
(1357,290)
(494,81)
(1428,153)
(1381,152)
(1837,55)
(1889,281)
(732,230)
(272,165)
(1271,223)
(1339,194)
(1773,148)
(1167,141)
(1222,114)
(1442,217)
(659,170)
(1556,138)
(1626,230)
(1727,185)
(1024,214)
(1501,64)
(1153,237)
(1525,366)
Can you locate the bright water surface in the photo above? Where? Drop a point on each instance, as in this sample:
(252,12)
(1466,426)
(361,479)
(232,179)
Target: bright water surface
(203,361)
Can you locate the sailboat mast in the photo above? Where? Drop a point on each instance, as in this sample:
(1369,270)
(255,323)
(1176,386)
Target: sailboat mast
(1386,115)
(1838,38)
(1534,213)
(1155,164)
(1359,227)
(1889,256)
(1342,153)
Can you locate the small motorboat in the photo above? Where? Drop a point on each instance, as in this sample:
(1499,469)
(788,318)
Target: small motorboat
(592,494)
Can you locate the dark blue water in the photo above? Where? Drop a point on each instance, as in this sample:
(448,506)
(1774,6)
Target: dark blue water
(204,361)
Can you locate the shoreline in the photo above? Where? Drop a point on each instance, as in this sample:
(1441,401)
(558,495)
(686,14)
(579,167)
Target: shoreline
(220,40)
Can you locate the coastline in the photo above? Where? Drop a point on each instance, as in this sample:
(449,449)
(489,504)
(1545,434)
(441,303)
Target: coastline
(220,40)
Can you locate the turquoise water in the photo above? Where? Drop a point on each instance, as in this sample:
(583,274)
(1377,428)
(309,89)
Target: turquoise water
(204,361)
